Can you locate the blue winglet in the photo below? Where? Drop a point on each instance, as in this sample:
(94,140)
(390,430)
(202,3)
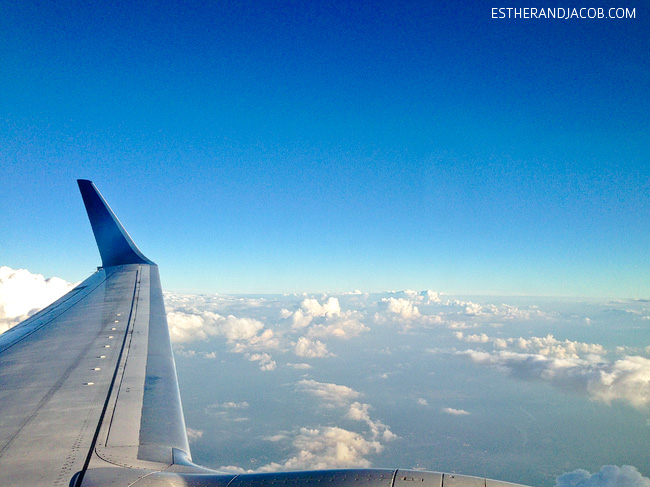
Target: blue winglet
(115,245)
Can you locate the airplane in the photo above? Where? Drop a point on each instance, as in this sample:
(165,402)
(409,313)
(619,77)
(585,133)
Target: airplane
(89,395)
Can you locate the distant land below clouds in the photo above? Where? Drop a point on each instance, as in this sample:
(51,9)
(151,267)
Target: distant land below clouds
(518,389)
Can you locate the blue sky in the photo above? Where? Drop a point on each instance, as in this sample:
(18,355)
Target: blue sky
(285,147)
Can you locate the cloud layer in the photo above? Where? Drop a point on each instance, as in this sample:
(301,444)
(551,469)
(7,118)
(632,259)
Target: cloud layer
(626,379)
(608,476)
(297,341)
(330,446)
(23,293)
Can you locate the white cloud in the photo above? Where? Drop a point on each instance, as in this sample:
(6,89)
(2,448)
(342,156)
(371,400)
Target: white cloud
(300,320)
(193,353)
(627,379)
(326,319)
(329,394)
(422,401)
(311,308)
(360,412)
(22,294)
(305,347)
(550,346)
(323,448)
(608,476)
(404,311)
(482,338)
(245,335)
(228,411)
(425,297)
(334,395)
(341,328)
(330,446)
(402,307)
(432,296)
(329,307)
(299,366)
(232,405)
(276,438)
(266,363)
(502,312)
(455,412)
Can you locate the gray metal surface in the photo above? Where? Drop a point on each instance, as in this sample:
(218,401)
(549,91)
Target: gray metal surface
(55,374)
(89,395)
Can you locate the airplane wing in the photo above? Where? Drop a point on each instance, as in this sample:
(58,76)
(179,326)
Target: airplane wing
(89,395)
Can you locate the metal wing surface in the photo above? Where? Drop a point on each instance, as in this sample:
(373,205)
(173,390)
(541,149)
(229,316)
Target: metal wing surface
(90,381)
(89,395)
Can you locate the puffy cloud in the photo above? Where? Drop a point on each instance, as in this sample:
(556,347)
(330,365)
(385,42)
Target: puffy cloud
(334,395)
(299,366)
(404,311)
(455,412)
(432,296)
(425,297)
(184,327)
(323,448)
(264,341)
(329,307)
(266,363)
(482,338)
(193,353)
(422,401)
(300,320)
(310,308)
(608,476)
(305,347)
(550,346)
(502,312)
(341,328)
(330,446)
(627,379)
(276,438)
(329,394)
(326,319)
(231,405)
(235,329)
(360,412)
(243,333)
(23,293)
(228,411)
(402,307)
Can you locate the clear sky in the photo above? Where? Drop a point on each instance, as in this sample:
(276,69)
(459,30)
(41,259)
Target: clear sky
(256,147)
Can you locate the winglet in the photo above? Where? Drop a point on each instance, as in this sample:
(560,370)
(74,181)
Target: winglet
(115,245)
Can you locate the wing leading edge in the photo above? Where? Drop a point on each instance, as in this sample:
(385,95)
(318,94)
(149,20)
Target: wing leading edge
(89,395)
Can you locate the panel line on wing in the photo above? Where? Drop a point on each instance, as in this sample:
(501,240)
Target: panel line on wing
(91,450)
